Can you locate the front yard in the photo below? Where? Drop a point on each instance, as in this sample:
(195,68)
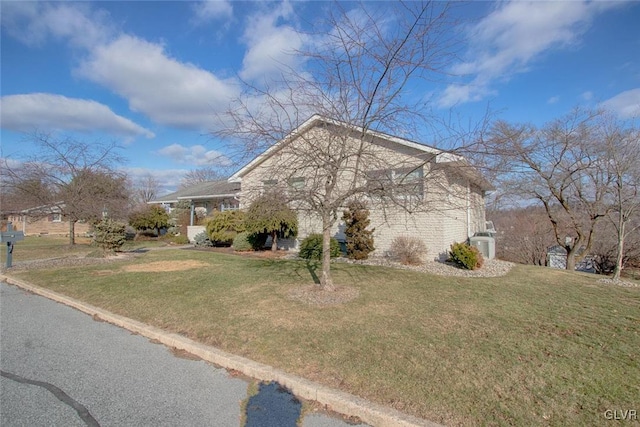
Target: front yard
(535,347)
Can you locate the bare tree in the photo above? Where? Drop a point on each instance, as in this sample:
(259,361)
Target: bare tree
(560,166)
(357,79)
(146,188)
(197,176)
(79,179)
(621,155)
(524,235)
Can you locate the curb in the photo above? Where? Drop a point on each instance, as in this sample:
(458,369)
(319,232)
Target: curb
(335,400)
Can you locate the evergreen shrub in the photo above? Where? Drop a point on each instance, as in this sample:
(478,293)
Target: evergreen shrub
(311,247)
(466,256)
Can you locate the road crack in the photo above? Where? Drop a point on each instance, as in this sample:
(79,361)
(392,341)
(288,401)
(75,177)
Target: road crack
(82,411)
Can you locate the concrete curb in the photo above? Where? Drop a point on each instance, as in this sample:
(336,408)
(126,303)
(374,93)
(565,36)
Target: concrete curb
(335,400)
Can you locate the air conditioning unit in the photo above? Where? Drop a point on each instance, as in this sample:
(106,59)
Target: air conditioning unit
(485,244)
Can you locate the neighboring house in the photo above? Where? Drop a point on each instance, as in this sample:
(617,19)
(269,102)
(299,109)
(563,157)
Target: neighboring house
(445,195)
(210,195)
(43,220)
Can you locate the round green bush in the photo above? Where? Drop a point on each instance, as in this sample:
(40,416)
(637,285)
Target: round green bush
(311,247)
(241,242)
(466,256)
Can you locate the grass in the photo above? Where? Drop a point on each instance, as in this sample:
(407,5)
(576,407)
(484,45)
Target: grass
(37,247)
(536,347)
(43,247)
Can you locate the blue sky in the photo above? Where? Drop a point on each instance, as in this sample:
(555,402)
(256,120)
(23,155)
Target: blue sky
(151,75)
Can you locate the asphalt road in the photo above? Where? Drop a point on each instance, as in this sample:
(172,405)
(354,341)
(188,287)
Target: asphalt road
(59,367)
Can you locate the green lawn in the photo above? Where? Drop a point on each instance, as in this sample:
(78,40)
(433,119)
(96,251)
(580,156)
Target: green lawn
(43,247)
(537,347)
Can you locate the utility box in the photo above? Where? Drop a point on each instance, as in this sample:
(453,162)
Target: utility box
(485,244)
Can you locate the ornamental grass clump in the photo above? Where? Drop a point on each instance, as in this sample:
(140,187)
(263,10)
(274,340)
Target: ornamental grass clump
(407,250)
(466,256)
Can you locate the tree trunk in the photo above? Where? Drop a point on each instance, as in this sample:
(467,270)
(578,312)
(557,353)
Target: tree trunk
(274,241)
(620,249)
(326,282)
(571,259)
(72,232)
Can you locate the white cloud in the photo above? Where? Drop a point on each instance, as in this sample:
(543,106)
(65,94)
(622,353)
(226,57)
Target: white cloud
(168,91)
(47,111)
(270,46)
(625,104)
(211,10)
(587,96)
(514,35)
(34,23)
(196,155)
(553,100)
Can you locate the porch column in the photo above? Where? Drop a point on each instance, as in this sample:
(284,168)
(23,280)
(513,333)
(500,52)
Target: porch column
(192,213)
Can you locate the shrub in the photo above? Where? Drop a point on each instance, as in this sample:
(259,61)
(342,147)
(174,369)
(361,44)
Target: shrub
(180,239)
(258,240)
(202,239)
(109,235)
(241,243)
(407,250)
(269,214)
(311,247)
(466,256)
(152,217)
(224,226)
(359,239)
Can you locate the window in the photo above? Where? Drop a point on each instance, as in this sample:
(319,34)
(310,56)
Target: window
(296,183)
(405,183)
(409,183)
(270,183)
(56,217)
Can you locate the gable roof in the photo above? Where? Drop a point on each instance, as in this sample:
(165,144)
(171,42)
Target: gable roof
(440,155)
(202,190)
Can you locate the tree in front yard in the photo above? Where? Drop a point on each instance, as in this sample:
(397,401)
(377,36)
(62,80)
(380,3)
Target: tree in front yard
(77,178)
(270,214)
(149,218)
(360,68)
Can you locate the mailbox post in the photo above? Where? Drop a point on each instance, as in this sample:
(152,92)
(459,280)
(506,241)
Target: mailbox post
(9,237)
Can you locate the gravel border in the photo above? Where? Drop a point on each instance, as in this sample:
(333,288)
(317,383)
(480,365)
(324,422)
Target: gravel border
(491,267)
(622,283)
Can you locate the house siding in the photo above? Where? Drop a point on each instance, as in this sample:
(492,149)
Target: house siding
(452,208)
(44,225)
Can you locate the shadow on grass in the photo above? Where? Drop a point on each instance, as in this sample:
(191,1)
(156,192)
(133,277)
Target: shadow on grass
(312,266)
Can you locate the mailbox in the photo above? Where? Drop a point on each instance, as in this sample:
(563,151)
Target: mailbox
(9,237)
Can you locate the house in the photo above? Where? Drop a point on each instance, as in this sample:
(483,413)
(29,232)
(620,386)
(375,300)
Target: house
(207,197)
(43,220)
(412,189)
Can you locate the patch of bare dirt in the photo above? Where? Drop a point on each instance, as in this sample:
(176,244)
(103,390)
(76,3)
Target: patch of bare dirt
(314,295)
(103,272)
(165,266)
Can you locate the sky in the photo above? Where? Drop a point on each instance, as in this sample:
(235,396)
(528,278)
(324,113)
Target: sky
(152,75)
